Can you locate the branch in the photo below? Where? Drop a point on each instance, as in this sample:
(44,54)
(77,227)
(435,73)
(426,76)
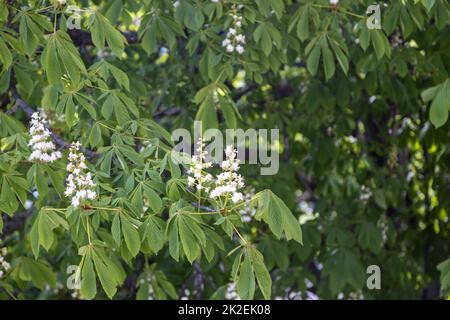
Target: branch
(170,112)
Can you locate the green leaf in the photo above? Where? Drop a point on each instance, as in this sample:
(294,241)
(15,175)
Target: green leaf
(41,181)
(261,272)
(102,29)
(328,62)
(277,215)
(51,62)
(130,235)
(313,60)
(246,279)
(266,42)
(88,284)
(228,113)
(188,241)
(105,275)
(154,233)
(45,230)
(303,24)
(207,114)
(440,106)
(378,43)
(116,229)
(154,200)
(5,55)
(34,239)
(174,244)
(428,4)
(86,105)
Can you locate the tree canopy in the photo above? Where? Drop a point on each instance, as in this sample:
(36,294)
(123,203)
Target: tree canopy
(94,204)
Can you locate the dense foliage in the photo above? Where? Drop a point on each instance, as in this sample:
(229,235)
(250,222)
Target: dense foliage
(364,150)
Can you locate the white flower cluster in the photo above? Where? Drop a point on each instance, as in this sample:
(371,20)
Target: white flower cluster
(4,265)
(231,293)
(228,182)
(43,149)
(199,177)
(235,41)
(334,2)
(365,194)
(79,184)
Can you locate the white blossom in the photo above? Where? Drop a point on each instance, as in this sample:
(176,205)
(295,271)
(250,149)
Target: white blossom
(228,182)
(42,148)
(4,265)
(231,293)
(234,40)
(334,2)
(230,48)
(197,176)
(239,49)
(240,38)
(226,42)
(80,186)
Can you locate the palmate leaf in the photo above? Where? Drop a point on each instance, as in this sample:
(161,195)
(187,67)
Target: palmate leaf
(97,264)
(5,55)
(42,232)
(106,271)
(261,273)
(185,232)
(273,211)
(60,57)
(248,266)
(119,104)
(152,233)
(13,189)
(36,271)
(105,70)
(31,29)
(101,30)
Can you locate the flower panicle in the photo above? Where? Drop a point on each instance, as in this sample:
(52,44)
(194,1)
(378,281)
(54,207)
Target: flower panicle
(235,40)
(224,185)
(42,147)
(198,178)
(4,265)
(80,185)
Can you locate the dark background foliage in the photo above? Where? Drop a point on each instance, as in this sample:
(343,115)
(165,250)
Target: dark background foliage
(364,164)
